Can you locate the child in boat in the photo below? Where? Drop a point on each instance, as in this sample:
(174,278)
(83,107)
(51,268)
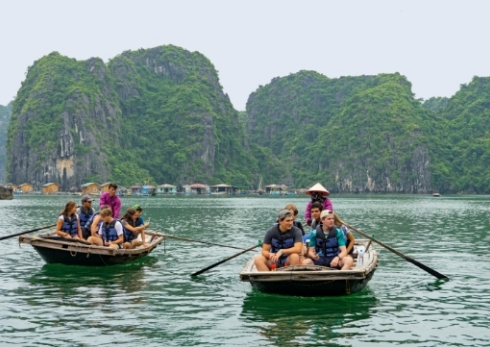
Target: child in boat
(318,194)
(132,228)
(327,244)
(110,232)
(68,224)
(93,224)
(282,244)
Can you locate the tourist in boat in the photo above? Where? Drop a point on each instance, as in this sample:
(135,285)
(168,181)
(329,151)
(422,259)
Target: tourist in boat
(110,232)
(111,199)
(315,211)
(349,237)
(85,212)
(132,228)
(327,244)
(294,210)
(68,224)
(282,244)
(138,219)
(318,194)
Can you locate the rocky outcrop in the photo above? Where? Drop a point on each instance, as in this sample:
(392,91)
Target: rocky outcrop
(158,114)
(6,192)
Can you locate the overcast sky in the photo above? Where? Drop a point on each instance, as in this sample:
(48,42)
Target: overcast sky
(437,45)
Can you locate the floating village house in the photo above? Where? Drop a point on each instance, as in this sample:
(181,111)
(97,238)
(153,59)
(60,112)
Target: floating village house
(221,189)
(104,187)
(147,189)
(14,186)
(136,189)
(275,189)
(90,188)
(51,188)
(196,188)
(26,188)
(166,189)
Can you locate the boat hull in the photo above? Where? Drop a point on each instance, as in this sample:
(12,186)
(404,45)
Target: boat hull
(56,250)
(81,258)
(314,288)
(314,280)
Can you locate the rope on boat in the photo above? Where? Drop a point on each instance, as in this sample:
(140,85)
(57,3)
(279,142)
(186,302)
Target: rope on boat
(76,251)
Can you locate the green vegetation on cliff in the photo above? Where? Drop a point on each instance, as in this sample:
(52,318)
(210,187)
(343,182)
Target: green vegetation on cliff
(355,134)
(158,114)
(467,154)
(5,113)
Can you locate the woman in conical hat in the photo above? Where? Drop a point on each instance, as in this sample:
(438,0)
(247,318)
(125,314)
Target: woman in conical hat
(318,194)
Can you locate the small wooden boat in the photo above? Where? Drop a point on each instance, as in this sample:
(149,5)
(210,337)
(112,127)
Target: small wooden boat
(57,250)
(436,195)
(313,280)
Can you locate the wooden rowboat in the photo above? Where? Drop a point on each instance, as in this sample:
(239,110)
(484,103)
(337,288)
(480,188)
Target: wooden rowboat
(313,280)
(57,250)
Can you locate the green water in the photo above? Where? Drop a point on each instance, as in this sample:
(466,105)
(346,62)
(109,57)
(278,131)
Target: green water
(155,302)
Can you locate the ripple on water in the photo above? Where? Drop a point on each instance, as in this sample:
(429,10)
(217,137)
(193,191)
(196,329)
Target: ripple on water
(156,302)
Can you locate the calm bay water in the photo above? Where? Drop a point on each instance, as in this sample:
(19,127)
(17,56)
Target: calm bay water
(155,302)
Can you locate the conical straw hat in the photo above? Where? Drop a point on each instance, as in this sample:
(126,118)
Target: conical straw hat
(318,188)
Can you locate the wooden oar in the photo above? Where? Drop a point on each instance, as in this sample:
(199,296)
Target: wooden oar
(400,254)
(26,232)
(224,260)
(191,240)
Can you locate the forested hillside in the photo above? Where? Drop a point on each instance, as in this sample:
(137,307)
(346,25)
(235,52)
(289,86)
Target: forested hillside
(355,134)
(466,154)
(5,113)
(158,114)
(161,115)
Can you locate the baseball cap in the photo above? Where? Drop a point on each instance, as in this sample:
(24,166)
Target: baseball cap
(283,214)
(87,198)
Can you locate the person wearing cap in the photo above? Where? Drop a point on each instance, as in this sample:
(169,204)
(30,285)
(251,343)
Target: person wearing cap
(282,244)
(318,194)
(327,244)
(111,199)
(294,210)
(84,213)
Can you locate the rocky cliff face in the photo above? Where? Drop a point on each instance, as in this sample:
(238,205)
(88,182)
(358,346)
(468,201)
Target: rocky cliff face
(5,113)
(63,123)
(354,134)
(157,114)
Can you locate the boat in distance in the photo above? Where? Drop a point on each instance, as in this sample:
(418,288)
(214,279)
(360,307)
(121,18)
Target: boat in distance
(314,280)
(58,250)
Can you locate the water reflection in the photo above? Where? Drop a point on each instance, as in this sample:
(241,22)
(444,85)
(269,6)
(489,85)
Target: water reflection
(290,321)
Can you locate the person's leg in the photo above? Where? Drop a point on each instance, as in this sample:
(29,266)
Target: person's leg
(95,240)
(293,259)
(261,263)
(135,243)
(346,263)
(306,261)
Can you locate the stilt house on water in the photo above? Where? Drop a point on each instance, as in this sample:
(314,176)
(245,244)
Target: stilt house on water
(166,189)
(90,188)
(275,189)
(26,188)
(51,188)
(222,189)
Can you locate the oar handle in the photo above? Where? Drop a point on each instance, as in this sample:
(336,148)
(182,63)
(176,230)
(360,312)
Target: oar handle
(205,242)
(27,231)
(224,260)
